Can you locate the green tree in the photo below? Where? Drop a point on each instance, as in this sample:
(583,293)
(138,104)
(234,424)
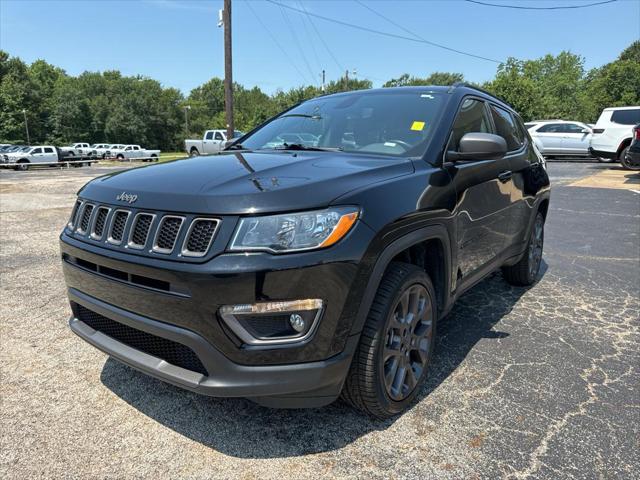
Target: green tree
(436,78)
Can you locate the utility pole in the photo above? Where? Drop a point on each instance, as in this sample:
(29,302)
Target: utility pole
(324,88)
(346,80)
(186,119)
(228,80)
(26,125)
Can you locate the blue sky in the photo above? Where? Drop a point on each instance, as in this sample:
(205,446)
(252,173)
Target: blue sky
(178,42)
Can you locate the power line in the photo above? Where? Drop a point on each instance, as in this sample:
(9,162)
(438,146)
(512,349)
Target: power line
(520,7)
(297,42)
(310,38)
(406,30)
(386,34)
(275,40)
(326,47)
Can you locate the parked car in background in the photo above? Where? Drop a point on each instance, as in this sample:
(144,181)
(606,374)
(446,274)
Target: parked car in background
(213,141)
(37,154)
(132,152)
(560,138)
(100,149)
(631,160)
(79,149)
(612,134)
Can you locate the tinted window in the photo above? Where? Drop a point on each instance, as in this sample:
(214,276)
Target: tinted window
(36,150)
(551,128)
(472,117)
(389,122)
(507,128)
(209,136)
(219,136)
(48,150)
(626,117)
(573,128)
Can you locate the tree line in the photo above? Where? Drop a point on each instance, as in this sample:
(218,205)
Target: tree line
(109,107)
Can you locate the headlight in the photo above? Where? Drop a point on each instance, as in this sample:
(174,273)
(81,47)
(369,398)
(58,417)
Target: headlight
(294,232)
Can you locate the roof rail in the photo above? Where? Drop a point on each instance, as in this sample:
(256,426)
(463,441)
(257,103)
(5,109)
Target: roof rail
(475,87)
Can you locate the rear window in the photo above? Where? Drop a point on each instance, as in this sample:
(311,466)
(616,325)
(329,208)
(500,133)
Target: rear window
(626,117)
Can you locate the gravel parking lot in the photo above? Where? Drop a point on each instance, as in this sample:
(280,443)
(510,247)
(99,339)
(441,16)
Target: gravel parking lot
(541,382)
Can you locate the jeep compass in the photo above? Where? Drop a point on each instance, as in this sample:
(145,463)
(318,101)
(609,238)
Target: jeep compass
(314,256)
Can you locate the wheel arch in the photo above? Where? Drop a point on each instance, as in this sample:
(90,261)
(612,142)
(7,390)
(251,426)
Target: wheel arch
(420,247)
(624,144)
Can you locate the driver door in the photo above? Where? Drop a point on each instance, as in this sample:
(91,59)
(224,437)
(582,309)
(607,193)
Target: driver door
(483,195)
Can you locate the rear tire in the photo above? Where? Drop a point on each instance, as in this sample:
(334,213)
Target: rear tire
(625,163)
(22,166)
(525,272)
(194,152)
(394,353)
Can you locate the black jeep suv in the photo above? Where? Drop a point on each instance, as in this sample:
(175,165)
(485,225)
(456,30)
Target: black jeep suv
(314,256)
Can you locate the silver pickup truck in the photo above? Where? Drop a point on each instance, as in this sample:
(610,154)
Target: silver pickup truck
(212,142)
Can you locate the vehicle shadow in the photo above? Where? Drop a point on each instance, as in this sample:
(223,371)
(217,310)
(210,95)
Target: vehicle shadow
(240,428)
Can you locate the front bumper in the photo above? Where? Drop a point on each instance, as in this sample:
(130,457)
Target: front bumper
(294,385)
(181,301)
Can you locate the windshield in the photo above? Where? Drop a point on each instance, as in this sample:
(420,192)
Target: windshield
(394,122)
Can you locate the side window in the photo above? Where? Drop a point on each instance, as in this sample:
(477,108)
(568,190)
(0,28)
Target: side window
(573,128)
(472,117)
(506,127)
(136,147)
(36,151)
(626,117)
(550,128)
(219,136)
(48,150)
(128,148)
(209,136)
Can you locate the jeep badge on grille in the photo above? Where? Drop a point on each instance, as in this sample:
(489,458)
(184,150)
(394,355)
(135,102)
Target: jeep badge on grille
(127,197)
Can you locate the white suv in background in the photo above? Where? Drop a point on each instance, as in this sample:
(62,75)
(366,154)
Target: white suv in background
(612,133)
(560,137)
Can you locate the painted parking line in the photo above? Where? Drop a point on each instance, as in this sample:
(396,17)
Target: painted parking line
(612,178)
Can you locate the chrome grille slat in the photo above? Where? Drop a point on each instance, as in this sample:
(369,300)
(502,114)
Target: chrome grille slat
(199,237)
(118,226)
(100,222)
(167,234)
(85,218)
(140,230)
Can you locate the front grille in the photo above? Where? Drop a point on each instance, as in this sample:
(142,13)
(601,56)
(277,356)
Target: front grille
(118,225)
(167,234)
(86,216)
(100,222)
(167,350)
(140,230)
(200,236)
(173,236)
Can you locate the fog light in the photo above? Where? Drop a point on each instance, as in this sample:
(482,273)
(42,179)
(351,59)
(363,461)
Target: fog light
(273,322)
(297,322)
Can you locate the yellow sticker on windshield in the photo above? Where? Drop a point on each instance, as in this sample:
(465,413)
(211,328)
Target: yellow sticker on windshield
(417,126)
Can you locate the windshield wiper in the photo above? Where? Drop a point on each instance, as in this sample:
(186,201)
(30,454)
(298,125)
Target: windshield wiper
(235,146)
(300,146)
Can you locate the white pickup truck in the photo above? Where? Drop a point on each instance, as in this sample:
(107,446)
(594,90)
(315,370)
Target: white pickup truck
(101,149)
(39,154)
(212,141)
(79,149)
(134,152)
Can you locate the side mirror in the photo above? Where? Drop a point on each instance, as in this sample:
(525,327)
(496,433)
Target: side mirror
(479,146)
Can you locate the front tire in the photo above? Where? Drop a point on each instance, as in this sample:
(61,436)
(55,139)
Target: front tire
(625,163)
(392,359)
(22,166)
(525,272)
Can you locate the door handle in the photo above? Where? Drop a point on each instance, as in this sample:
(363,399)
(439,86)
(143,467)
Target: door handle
(505,176)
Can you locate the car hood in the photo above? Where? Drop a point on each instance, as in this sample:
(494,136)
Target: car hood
(245,182)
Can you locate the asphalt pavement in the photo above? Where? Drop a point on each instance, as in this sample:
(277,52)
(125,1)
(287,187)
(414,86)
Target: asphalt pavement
(526,383)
